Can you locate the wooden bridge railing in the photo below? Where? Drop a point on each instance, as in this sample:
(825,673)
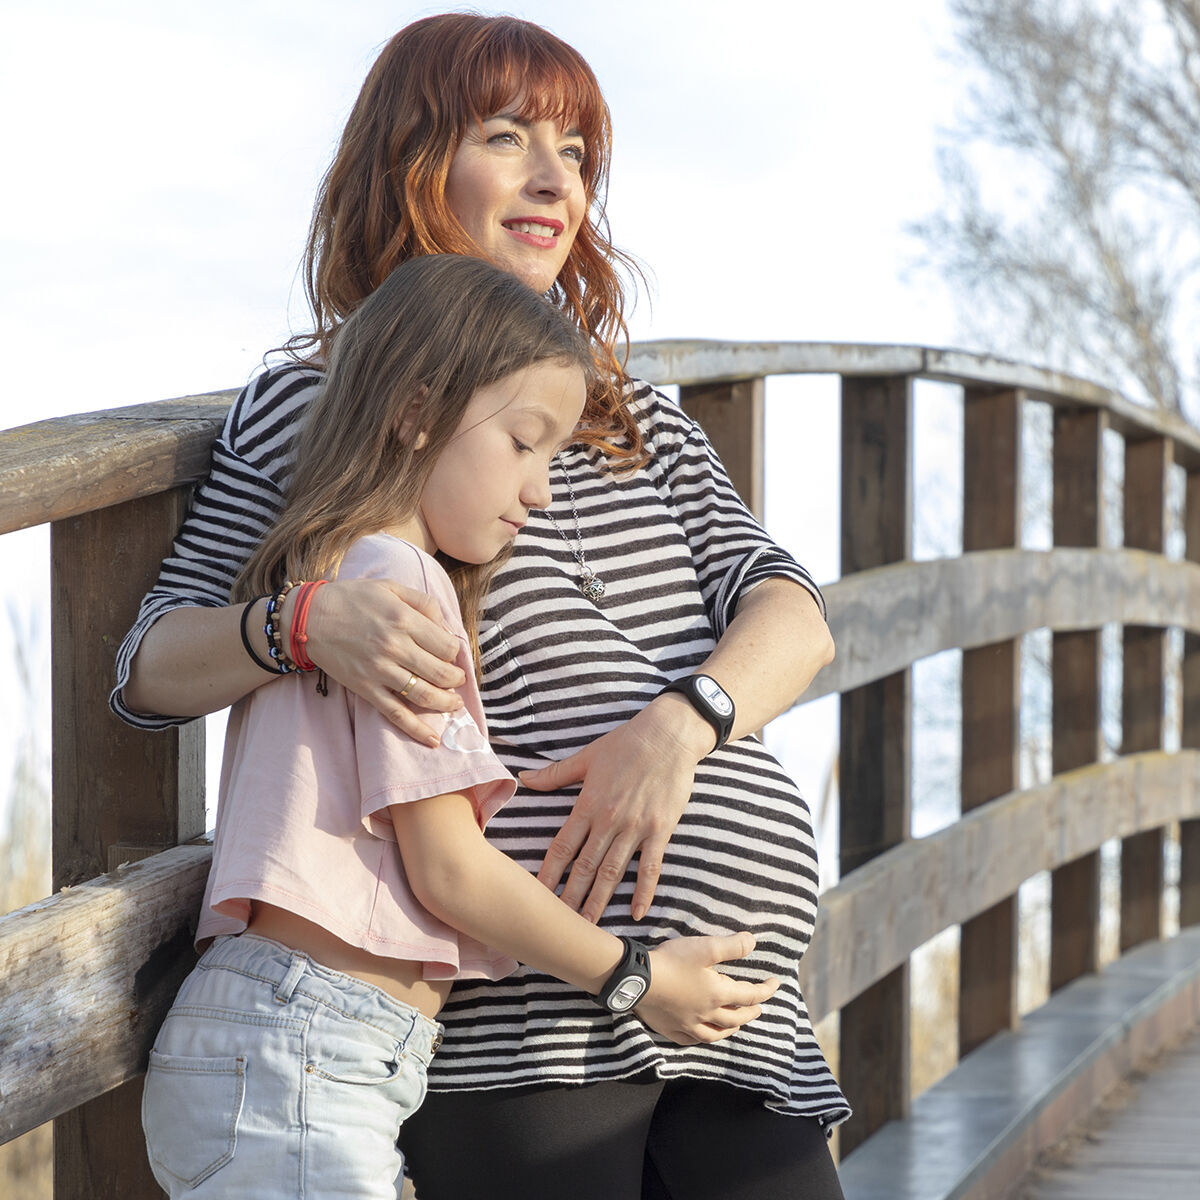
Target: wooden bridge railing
(86,974)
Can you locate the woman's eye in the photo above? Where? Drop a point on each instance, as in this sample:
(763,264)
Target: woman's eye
(578,153)
(520,447)
(509,138)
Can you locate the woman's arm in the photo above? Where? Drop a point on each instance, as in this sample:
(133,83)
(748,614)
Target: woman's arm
(369,635)
(472,886)
(637,778)
(184,655)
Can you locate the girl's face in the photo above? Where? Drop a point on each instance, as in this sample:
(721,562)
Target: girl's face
(515,187)
(496,467)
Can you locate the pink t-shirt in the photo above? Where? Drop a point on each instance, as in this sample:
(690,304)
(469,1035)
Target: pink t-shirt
(306,781)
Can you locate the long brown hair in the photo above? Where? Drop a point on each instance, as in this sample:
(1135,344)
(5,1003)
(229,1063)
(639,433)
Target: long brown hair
(407,361)
(383,199)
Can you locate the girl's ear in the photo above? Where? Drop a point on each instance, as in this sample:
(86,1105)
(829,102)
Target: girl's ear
(411,420)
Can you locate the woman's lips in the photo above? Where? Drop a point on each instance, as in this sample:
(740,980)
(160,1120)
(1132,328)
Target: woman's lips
(541,232)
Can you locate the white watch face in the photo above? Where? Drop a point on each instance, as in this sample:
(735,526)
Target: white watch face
(627,993)
(715,695)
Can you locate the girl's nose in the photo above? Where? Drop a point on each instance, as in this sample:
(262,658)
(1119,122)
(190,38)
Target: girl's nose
(536,492)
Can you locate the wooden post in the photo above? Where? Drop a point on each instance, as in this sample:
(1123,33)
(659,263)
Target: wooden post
(113,786)
(1189,831)
(732,416)
(991,692)
(1075,672)
(1147,465)
(875,750)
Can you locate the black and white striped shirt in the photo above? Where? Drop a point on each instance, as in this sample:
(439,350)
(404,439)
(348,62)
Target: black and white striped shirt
(676,549)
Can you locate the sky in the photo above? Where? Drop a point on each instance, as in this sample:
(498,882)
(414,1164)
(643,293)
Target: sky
(161,160)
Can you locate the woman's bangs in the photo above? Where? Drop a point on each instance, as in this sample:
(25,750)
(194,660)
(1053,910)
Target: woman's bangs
(550,87)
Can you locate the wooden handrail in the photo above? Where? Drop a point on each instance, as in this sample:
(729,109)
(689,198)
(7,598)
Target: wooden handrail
(878,915)
(69,465)
(92,969)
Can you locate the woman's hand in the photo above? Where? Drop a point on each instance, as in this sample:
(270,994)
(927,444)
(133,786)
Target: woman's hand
(637,780)
(689,1001)
(386,643)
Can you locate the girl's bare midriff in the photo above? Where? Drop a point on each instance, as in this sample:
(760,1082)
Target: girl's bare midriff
(398,977)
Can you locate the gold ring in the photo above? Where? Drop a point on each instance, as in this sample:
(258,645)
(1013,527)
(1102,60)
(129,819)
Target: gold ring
(407,687)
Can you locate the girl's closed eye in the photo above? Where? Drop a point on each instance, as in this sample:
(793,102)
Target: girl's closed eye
(521,447)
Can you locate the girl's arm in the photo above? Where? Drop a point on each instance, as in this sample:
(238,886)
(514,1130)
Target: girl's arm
(466,882)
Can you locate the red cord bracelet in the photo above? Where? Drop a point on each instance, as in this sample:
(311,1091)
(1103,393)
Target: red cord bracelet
(299,631)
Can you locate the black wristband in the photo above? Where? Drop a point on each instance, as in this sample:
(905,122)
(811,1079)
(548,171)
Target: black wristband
(629,982)
(710,700)
(266,666)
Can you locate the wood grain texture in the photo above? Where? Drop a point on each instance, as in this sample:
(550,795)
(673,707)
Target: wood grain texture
(875,745)
(884,619)
(86,977)
(687,361)
(1143,688)
(1077,510)
(879,914)
(1189,831)
(70,465)
(732,415)
(991,703)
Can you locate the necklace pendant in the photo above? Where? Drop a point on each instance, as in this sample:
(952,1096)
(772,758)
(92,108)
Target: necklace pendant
(592,586)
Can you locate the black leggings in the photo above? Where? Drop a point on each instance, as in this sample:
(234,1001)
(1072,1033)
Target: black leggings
(684,1140)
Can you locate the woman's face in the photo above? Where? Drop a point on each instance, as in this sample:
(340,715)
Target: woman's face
(515,187)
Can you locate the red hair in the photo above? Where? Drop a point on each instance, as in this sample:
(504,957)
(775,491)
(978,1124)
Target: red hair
(383,199)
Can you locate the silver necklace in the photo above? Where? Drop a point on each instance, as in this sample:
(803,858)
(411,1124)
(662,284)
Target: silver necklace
(590,584)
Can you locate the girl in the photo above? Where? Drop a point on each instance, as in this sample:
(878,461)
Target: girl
(347,853)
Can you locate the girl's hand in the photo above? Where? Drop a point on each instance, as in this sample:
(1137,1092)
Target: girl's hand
(689,1001)
(637,780)
(373,636)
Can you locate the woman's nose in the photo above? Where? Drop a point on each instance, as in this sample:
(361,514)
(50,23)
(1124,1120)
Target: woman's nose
(549,175)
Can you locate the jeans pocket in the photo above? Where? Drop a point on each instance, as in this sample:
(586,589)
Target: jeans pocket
(190,1113)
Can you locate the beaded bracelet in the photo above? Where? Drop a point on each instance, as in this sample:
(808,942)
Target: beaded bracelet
(283,664)
(266,666)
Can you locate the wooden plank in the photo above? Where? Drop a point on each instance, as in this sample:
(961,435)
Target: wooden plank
(1078,506)
(701,361)
(112,784)
(61,468)
(875,754)
(991,695)
(885,619)
(732,415)
(1141,1143)
(86,977)
(871,921)
(1189,831)
(1143,691)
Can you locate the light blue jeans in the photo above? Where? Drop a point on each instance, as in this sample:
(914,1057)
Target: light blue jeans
(274,1078)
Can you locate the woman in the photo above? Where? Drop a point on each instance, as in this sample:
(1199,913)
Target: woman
(490,136)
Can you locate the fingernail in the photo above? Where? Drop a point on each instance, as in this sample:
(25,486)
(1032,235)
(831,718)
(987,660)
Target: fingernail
(638,913)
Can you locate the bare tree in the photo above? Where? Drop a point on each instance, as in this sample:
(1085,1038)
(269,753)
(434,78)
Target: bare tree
(1073,187)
